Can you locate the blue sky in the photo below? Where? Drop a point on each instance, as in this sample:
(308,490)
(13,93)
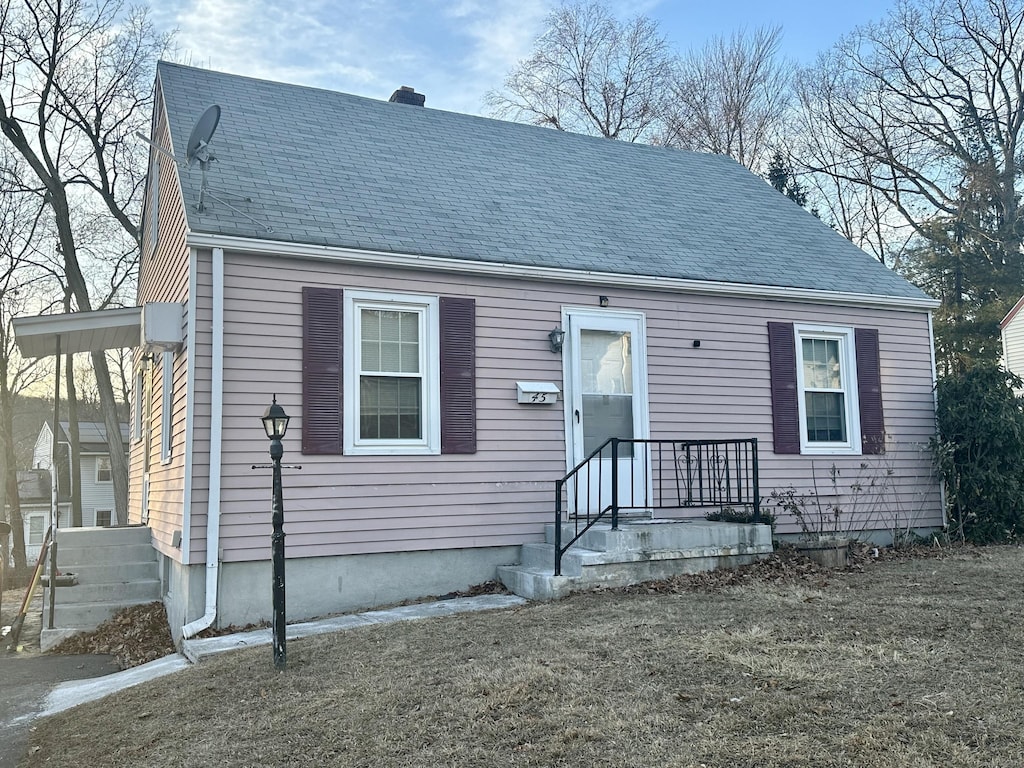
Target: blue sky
(453,51)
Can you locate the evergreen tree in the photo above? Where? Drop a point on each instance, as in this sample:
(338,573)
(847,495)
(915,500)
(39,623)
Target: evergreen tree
(780,175)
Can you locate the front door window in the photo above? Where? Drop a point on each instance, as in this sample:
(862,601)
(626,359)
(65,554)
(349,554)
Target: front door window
(606,372)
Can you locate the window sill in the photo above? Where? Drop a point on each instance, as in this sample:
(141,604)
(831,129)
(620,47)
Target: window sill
(391,450)
(829,450)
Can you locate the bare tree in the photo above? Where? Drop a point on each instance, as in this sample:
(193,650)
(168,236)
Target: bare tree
(20,279)
(925,111)
(75,84)
(731,97)
(860,212)
(592,74)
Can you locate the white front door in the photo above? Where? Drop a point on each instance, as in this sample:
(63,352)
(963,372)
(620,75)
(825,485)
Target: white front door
(605,362)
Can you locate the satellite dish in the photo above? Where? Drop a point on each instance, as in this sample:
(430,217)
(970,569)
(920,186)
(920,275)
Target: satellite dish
(199,140)
(198,148)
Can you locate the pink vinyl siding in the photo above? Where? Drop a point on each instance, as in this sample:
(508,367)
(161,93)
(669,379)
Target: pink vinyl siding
(163,276)
(502,494)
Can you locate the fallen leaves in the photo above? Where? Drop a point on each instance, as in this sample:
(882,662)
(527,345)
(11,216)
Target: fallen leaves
(133,636)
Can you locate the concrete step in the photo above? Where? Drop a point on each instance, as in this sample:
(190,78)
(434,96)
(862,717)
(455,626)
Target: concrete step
(115,567)
(70,557)
(85,617)
(103,537)
(639,551)
(663,534)
(70,620)
(128,592)
(113,573)
(535,583)
(573,562)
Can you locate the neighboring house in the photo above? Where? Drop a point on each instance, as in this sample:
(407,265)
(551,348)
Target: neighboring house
(95,481)
(390,272)
(36,500)
(1011,331)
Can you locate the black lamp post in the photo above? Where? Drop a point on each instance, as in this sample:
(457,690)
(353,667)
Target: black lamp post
(275,422)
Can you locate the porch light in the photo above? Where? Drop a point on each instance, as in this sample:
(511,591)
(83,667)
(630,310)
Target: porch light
(275,421)
(556,338)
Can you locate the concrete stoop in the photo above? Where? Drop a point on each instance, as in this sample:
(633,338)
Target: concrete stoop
(641,550)
(115,568)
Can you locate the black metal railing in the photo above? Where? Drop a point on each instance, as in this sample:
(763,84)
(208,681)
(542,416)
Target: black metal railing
(661,475)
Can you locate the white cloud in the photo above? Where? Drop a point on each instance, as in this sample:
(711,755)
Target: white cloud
(451,51)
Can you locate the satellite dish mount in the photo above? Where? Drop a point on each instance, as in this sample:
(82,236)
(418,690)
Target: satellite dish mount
(198,148)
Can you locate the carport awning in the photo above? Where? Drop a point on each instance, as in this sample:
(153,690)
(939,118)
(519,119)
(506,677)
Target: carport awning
(78,332)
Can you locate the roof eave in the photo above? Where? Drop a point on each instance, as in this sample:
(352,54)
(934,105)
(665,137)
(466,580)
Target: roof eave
(1012,313)
(649,282)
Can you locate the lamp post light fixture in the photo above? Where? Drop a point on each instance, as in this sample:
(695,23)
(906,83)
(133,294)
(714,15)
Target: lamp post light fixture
(275,423)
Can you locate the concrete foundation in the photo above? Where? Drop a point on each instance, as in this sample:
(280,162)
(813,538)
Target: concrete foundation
(322,586)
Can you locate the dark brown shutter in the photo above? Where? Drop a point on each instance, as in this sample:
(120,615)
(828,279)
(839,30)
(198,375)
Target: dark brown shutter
(869,391)
(321,370)
(785,412)
(458,374)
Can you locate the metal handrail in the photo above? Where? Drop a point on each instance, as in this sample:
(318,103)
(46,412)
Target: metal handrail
(686,473)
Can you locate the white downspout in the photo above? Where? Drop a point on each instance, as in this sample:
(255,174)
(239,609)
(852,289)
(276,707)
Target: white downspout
(216,425)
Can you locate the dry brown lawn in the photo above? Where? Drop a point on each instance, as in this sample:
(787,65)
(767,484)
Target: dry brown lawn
(904,663)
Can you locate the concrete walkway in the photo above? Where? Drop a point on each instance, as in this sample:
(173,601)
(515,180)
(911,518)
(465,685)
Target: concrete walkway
(73,693)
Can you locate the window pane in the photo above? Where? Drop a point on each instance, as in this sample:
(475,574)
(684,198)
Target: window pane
(103,518)
(390,341)
(821,364)
(35,530)
(826,417)
(390,408)
(607,416)
(607,363)
(103,469)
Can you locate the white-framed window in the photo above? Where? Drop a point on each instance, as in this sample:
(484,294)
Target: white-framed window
(103,518)
(36,527)
(103,473)
(167,367)
(826,373)
(137,400)
(392,374)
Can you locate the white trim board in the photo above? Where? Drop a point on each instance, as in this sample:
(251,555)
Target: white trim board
(581,277)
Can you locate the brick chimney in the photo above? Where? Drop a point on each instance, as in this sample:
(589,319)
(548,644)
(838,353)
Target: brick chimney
(407,95)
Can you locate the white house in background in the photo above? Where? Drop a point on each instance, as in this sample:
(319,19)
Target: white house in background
(96,482)
(1011,329)
(34,494)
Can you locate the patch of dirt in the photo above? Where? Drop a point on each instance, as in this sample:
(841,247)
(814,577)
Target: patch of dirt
(133,636)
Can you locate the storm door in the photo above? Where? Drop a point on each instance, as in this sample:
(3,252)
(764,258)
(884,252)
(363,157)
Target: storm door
(606,396)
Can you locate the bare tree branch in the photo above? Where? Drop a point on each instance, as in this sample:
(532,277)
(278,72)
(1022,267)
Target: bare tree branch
(590,73)
(731,97)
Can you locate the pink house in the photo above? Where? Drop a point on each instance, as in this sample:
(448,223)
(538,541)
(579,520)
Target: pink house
(393,274)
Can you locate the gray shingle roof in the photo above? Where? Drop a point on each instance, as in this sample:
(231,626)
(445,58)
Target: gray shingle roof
(333,169)
(92,435)
(34,486)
